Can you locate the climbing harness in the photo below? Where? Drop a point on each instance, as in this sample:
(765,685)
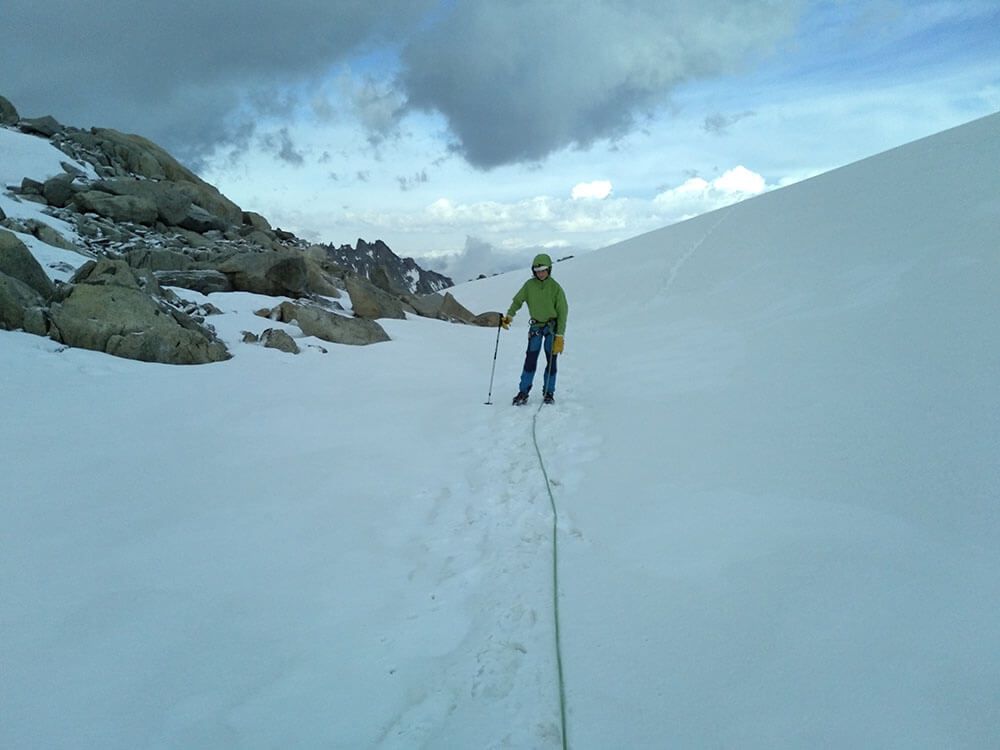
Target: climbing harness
(541,328)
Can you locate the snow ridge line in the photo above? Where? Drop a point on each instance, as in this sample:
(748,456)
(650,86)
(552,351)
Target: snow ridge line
(675,269)
(555,579)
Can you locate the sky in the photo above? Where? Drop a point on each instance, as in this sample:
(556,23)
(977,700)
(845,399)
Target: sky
(772,459)
(471,135)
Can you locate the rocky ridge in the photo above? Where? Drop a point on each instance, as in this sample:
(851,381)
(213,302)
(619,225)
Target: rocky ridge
(375,261)
(147,223)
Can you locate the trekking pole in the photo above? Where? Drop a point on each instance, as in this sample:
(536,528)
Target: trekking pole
(489,397)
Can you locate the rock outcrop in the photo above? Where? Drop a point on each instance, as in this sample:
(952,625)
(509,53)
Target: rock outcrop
(452,309)
(273,274)
(8,114)
(106,310)
(17,262)
(16,299)
(153,224)
(275,338)
(316,321)
(371,302)
(203,282)
(118,208)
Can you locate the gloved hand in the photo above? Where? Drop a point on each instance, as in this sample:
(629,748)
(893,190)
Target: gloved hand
(505,321)
(557,345)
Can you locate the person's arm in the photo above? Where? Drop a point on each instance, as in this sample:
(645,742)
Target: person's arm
(518,300)
(562,312)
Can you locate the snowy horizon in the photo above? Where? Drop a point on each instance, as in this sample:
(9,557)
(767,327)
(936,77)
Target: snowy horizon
(773,453)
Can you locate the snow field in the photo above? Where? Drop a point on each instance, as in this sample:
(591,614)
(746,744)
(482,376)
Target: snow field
(773,453)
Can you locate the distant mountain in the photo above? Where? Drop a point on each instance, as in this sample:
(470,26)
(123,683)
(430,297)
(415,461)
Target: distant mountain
(378,263)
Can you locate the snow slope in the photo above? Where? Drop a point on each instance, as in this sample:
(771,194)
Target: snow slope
(29,156)
(774,455)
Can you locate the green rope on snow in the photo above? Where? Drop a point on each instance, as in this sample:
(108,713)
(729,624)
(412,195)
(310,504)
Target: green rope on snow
(555,579)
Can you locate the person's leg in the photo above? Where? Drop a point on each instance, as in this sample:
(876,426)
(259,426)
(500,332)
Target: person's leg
(530,360)
(551,363)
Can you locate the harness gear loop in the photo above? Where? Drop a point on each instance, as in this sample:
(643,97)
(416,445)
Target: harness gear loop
(541,327)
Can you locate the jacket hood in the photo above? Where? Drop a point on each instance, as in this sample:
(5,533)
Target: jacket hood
(542,260)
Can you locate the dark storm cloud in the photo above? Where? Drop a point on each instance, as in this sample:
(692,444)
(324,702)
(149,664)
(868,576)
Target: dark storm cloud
(518,79)
(181,72)
(515,79)
(281,145)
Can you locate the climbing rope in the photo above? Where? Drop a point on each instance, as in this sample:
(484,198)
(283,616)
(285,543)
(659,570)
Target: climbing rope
(555,578)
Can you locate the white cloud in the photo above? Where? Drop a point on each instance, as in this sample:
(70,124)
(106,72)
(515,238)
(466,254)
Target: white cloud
(442,209)
(538,214)
(740,180)
(543,221)
(599,189)
(492,216)
(698,195)
(482,257)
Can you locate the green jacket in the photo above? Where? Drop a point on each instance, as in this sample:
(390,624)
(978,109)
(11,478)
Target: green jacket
(546,300)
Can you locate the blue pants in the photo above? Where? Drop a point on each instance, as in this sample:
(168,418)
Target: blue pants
(539,335)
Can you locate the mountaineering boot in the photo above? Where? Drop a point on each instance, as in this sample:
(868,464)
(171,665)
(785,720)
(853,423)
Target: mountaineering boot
(520,399)
(550,398)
